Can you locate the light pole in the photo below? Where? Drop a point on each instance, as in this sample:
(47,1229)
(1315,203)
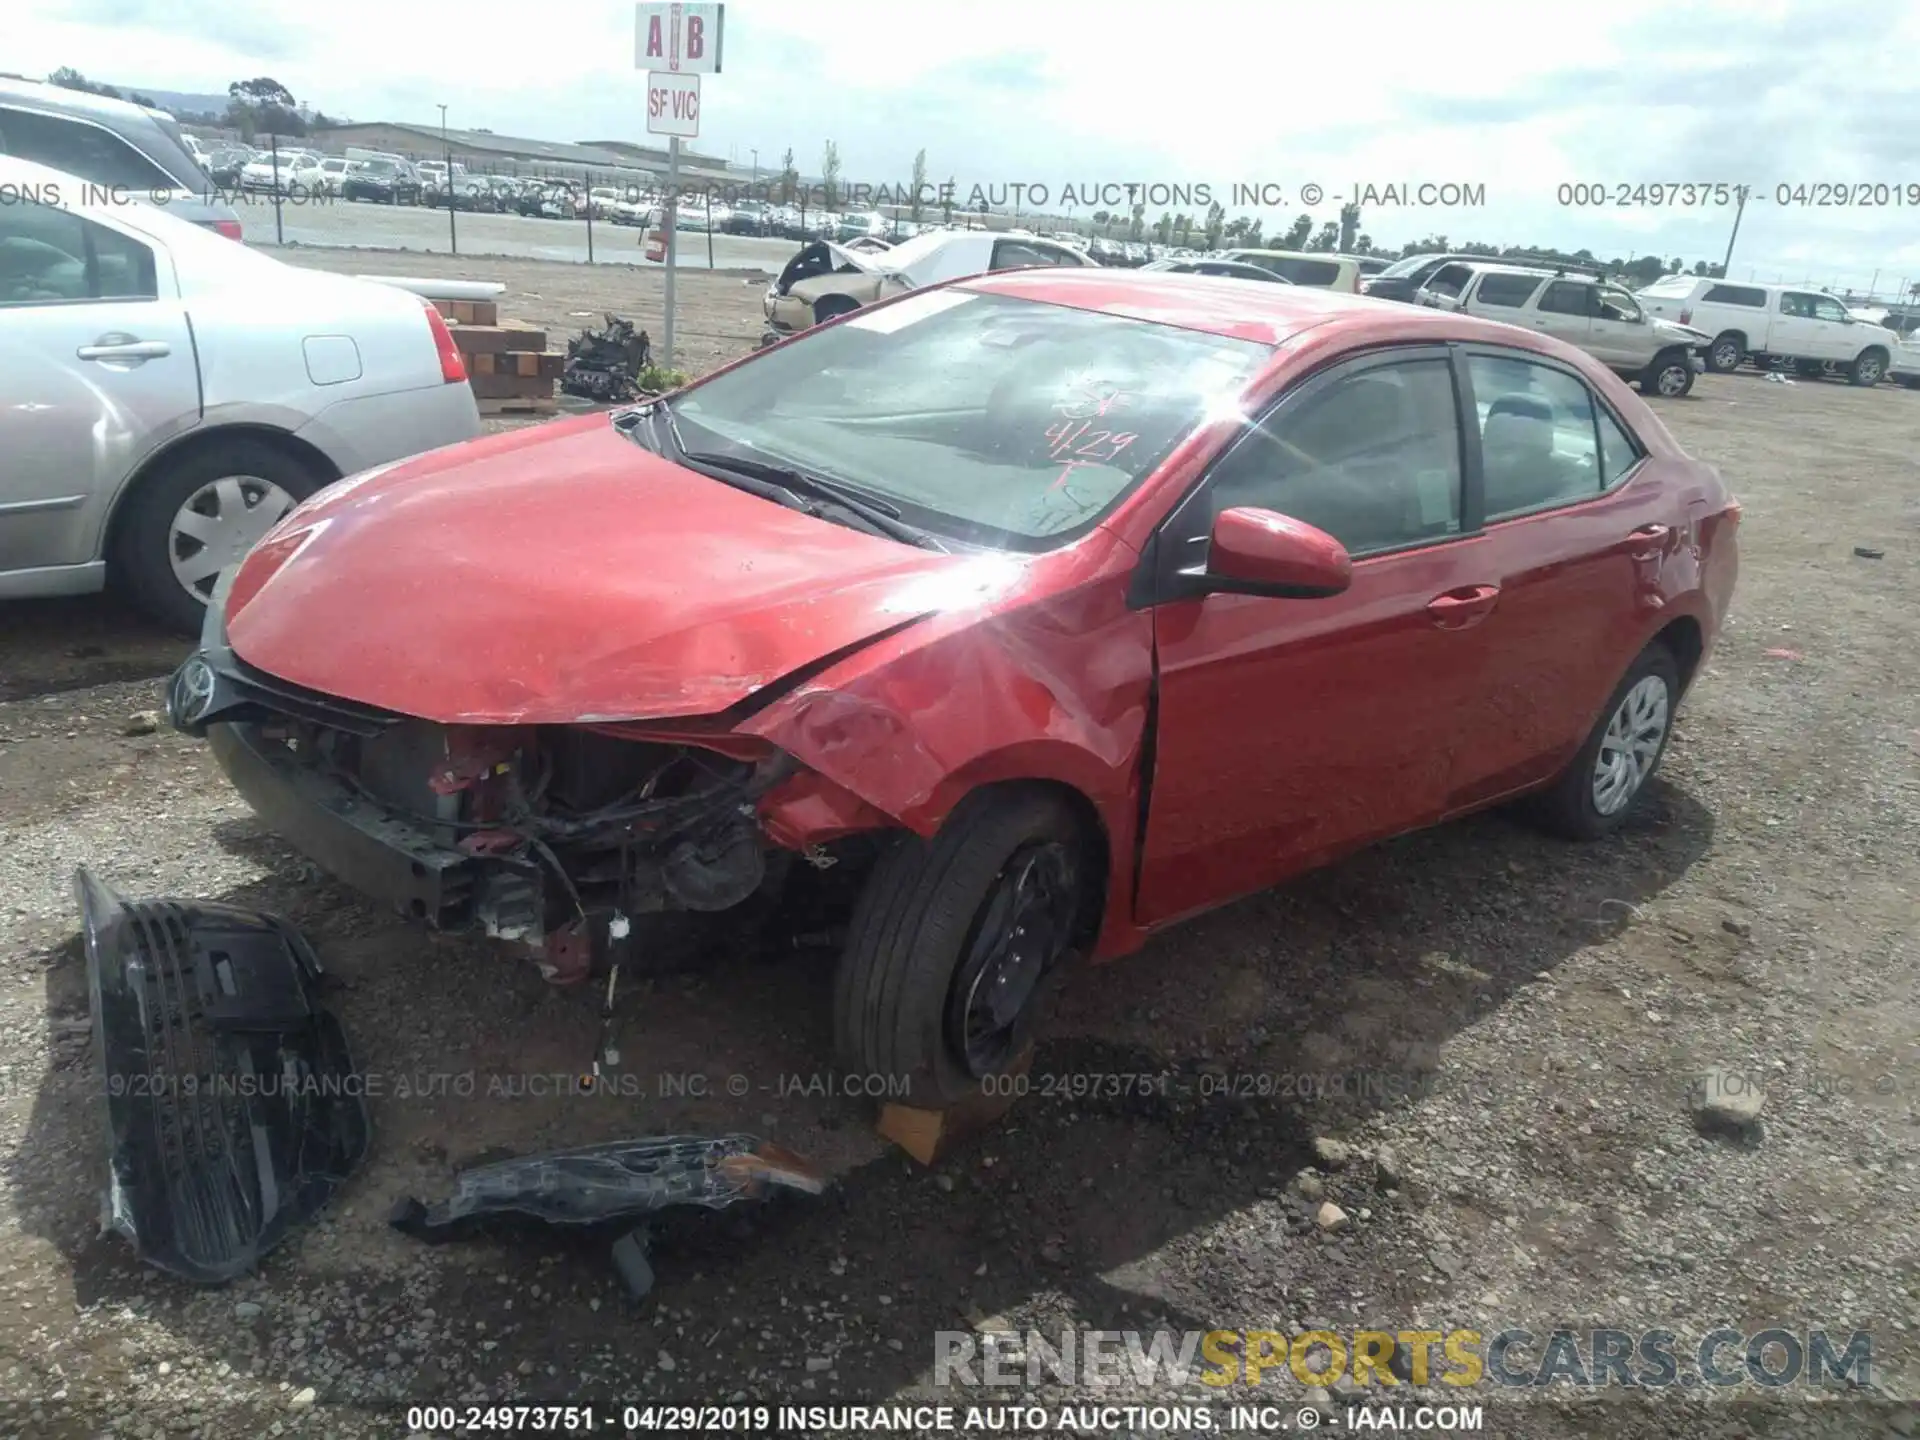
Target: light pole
(453,228)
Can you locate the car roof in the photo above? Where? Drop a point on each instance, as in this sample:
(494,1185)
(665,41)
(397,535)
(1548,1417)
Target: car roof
(75,102)
(1290,254)
(1219,305)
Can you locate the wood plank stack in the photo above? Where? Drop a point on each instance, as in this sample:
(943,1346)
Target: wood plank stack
(509,367)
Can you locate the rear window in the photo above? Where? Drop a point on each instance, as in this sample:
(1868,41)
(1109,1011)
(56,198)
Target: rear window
(83,149)
(1507,289)
(1300,272)
(1735,295)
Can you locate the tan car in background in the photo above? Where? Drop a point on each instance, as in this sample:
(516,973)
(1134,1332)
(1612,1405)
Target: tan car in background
(1316,269)
(825,279)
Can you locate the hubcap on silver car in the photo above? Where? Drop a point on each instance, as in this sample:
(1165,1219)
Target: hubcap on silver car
(218,525)
(1673,380)
(1870,371)
(1630,746)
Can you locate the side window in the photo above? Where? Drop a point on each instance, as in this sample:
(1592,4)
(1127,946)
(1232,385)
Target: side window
(1537,436)
(1825,309)
(1617,304)
(1508,290)
(1797,305)
(1567,297)
(50,256)
(1371,458)
(88,151)
(1450,279)
(1303,272)
(1734,295)
(1618,451)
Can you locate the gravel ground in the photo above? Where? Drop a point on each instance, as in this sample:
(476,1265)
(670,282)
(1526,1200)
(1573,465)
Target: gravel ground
(1503,1029)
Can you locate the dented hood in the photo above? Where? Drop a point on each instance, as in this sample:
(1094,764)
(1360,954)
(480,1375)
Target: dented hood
(558,574)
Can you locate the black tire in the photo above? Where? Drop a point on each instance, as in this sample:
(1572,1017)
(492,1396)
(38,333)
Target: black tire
(1567,807)
(1869,367)
(1726,352)
(828,307)
(1668,375)
(912,933)
(143,530)
(1809,369)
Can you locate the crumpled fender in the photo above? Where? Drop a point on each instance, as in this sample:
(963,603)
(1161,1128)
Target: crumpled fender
(1056,689)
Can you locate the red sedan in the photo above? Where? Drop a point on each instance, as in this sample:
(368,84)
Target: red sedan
(1048,607)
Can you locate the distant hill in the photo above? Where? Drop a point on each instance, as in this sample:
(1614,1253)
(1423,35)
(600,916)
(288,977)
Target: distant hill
(178,101)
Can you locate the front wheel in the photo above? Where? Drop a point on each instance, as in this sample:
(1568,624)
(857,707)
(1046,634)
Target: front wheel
(1669,375)
(1595,794)
(958,942)
(1725,354)
(1870,368)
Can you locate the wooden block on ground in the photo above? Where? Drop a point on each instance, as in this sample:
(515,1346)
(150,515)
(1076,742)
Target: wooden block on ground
(931,1135)
(549,363)
(470,312)
(522,406)
(508,386)
(491,339)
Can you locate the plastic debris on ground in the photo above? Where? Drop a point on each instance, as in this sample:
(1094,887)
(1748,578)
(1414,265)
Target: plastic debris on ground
(233,1109)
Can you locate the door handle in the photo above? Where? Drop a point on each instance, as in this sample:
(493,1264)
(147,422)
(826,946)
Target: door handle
(124,347)
(1649,541)
(1464,607)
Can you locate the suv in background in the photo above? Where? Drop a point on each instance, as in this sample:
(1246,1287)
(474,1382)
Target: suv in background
(1584,310)
(1765,323)
(111,143)
(1321,270)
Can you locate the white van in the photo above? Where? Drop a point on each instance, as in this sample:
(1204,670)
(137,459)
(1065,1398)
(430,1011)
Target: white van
(1764,323)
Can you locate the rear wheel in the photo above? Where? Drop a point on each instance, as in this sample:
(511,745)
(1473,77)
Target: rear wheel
(1726,352)
(827,307)
(956,945)
(191,519)
(1597,791)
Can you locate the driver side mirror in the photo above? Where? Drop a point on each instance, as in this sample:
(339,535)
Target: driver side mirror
(1261,552)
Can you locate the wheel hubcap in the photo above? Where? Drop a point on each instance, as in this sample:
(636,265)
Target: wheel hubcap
(1023,928)
(1630,746)
(1869,370)
(1673,380)
(1726,356)
(218,525)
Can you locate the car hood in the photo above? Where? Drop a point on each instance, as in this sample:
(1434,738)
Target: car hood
(1673,330)
(559,574)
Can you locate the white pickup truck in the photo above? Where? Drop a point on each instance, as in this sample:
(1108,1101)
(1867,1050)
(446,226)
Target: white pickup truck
(1765,323)
(1601,318)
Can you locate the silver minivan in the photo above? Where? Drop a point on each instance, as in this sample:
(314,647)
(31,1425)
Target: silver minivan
(114,143)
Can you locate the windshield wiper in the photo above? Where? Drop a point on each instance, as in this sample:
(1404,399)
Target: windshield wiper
(880,515)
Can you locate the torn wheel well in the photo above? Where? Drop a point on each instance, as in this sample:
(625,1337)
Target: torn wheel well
(1686,642)
(1093,835)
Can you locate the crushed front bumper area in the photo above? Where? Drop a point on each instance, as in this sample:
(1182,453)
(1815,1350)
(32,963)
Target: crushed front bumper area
(233,1109)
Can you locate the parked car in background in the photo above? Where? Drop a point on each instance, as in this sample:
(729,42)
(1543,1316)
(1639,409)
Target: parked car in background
(1765,323)
(113,143)
(1317,270)
(1369,265)
(170,395)
(382,180)
(1036,689)
(333,171)
(601,199)
(825,280)
(1225,269)
(287,172)
(1905,368)
(1598,317)
(226,165)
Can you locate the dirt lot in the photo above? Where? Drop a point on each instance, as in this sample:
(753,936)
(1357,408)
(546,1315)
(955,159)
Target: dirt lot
(1502,1026)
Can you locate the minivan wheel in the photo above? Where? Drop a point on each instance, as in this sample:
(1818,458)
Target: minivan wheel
(191,519)
(957,944)
(1598,790)
(1726,353)
(1669,375)
(1869,368)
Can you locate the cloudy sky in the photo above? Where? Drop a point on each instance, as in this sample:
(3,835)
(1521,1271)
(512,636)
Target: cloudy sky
(1517,98)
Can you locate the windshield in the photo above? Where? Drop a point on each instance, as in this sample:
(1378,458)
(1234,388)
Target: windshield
(1405,267)
(985,418)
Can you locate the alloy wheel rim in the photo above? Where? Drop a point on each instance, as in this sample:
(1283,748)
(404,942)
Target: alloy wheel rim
(1726,356)
(219,523)
(1870,370)
(1630,746)
(1023,927)
(1673,380)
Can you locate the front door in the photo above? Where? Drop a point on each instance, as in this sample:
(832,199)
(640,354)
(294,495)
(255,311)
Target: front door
(1288,731)
(96,366)
(1833,331)
(1565,311)
(1795,332)
(1618,334)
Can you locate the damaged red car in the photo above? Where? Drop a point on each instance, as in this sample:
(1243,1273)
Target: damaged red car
(1040,609)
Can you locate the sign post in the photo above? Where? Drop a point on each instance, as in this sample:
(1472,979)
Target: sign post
(675,44)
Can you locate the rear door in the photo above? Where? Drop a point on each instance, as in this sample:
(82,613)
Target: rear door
(1500,296)
(1570,535)
(97,367)
(1289,731)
